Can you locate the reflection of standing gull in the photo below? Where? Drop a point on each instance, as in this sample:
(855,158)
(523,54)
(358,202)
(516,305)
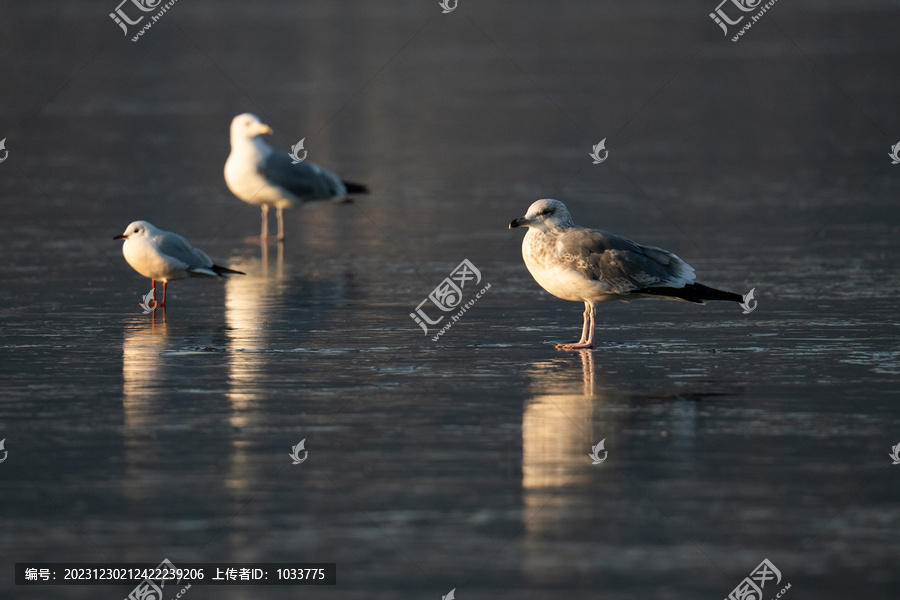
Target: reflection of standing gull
(556,432)
(556,427)
(250,303)
(143,370)
(592,266)
(258,174)
(253,306)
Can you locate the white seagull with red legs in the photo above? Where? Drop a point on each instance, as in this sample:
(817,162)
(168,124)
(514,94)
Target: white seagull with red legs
(166,256)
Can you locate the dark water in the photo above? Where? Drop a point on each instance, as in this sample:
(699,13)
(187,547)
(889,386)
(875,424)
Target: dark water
(461,463)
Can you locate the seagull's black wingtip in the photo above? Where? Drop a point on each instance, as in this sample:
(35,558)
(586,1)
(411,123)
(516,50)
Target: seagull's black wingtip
(223,270)
(693,292)
(356,188)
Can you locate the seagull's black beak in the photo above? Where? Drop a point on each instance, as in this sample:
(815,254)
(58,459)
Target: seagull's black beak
(521,221)
(121,236)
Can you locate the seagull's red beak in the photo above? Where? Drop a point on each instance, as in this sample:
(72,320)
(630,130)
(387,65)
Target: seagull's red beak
(121,236)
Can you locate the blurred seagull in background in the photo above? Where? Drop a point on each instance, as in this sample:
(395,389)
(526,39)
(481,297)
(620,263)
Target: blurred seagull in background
(592,266)
(258,174)
(165,256)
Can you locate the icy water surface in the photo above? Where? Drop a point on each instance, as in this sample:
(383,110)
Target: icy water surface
(461,463)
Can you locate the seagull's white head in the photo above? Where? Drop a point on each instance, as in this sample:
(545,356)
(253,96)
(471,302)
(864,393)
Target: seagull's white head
(545,215)
(247,126)
(136,230)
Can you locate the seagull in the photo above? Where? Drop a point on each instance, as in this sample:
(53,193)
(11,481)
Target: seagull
(165,256)
(258,174)
(593,266)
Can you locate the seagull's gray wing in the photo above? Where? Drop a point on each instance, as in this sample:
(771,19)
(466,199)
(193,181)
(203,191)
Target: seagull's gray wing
(177,248)
(624,265)
(305,180)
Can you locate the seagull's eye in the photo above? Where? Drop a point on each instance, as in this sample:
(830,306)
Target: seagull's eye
(547,211)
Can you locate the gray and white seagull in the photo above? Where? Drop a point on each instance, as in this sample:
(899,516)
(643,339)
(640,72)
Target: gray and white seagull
(593,266)
(259,174)
(166,256)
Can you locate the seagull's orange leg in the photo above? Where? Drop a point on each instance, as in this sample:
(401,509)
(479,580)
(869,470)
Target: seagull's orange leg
(165,284)
(155,303)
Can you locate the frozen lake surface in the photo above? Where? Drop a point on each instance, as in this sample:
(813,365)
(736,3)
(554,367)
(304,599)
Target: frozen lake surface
(461,463)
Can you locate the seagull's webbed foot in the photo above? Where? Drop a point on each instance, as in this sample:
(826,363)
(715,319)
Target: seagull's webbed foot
(575,346)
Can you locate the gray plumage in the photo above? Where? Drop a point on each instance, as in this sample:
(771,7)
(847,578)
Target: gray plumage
(304,181)
(624,266)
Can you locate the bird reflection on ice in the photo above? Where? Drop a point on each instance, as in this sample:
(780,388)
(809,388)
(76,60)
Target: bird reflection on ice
(143,371)
(249,304)
(556,440)
(556,427)
(560,424)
